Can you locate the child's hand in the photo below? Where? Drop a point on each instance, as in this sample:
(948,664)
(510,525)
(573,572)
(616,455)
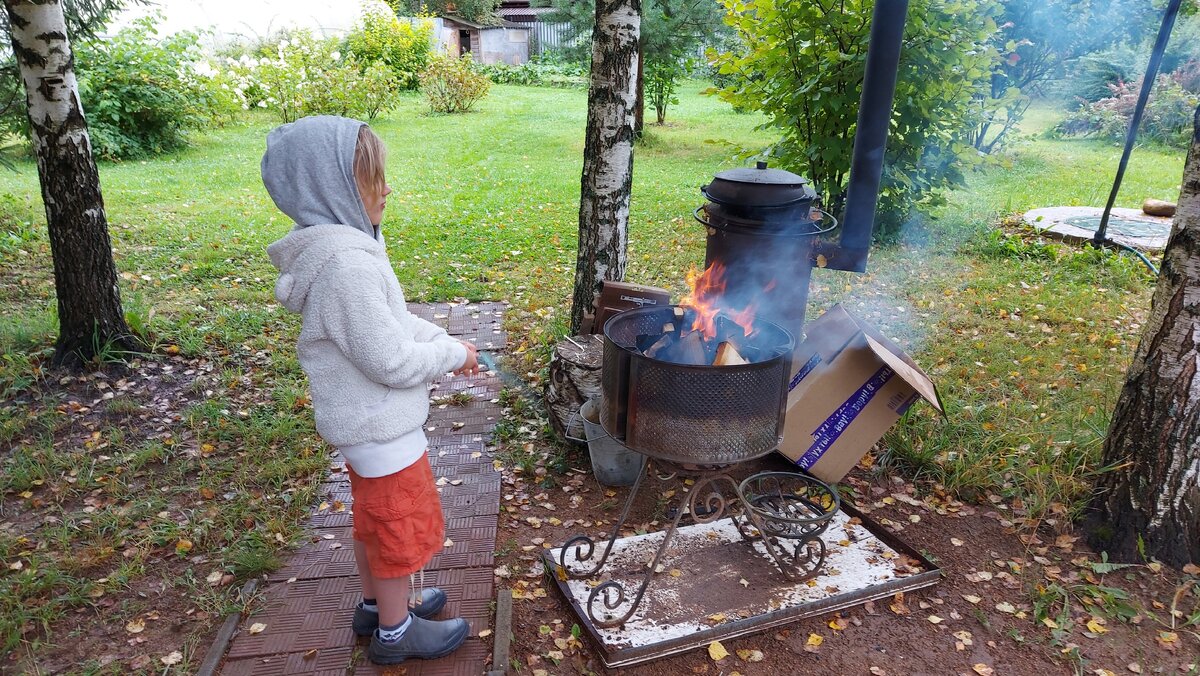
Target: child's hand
(471,366)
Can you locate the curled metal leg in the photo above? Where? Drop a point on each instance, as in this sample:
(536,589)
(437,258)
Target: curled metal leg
(583,546)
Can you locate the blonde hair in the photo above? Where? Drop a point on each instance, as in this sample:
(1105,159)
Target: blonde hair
(369,155)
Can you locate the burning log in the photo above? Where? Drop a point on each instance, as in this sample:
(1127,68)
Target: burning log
(690,349)
(727,355)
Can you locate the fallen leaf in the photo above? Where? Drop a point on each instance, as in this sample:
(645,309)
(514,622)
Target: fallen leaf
(485,633)
(743,582)
(1095,627)
(934,619)
(813,643)
(956,542)
(971,598)
(983,669)
(175,657)
(717,651)
(310,654)
(751,655)
(1134,667)
(716,618)
(1191,569)
(183,546)
(1006,607)
(675,572)
(448,543)
(257,628)
(838,623)
(876,671)
(135,626)
(214,578)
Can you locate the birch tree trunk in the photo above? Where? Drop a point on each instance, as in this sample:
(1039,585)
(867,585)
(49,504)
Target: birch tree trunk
(1151,505)
(607,154)
(85,278)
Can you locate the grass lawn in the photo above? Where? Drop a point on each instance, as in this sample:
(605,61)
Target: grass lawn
(203,460)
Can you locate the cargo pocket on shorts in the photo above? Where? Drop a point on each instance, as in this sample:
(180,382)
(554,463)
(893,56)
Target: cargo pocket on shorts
(404,529)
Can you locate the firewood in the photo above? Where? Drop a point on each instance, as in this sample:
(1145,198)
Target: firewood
(668,328)
(689,349)
(660,346)
(727,355)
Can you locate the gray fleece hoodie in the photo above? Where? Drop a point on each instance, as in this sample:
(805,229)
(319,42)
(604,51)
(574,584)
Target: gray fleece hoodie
(368,359)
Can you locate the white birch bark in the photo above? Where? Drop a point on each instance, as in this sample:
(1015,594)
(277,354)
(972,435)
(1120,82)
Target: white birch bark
(608,154)
(85,278)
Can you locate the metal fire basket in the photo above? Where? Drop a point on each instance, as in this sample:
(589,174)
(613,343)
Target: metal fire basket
(698,415)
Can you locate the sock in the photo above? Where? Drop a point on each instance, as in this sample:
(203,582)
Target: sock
(393,634)
(369,605)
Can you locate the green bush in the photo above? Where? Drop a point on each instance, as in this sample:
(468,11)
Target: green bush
(1167,120)
(308,75)
(451,85)
(141,94)
(661,81)
(803,65)
(379,37)
(537,73)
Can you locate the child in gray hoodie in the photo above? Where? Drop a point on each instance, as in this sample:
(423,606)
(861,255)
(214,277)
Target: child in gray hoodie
(369,362)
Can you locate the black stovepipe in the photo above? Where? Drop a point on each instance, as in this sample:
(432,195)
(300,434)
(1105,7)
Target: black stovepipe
(1160,45)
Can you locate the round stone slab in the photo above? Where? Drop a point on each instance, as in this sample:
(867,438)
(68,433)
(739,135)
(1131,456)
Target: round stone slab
(1130,227)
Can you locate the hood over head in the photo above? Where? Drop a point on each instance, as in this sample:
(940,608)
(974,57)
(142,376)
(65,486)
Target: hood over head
(308,170)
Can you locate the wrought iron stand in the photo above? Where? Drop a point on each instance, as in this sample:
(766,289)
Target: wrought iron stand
(785,512)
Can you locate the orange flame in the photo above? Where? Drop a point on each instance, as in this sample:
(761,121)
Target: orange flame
(704,298)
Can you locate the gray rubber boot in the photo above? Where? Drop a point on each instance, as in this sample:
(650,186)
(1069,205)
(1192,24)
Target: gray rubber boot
(432,600)
(423,640)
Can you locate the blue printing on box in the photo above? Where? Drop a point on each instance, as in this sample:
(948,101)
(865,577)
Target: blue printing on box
(908,404)
(804,371)
(828,432)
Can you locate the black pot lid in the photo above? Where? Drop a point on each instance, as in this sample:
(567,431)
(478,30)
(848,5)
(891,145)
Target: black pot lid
(759,187)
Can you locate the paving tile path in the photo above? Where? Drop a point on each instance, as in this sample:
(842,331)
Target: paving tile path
(309,602)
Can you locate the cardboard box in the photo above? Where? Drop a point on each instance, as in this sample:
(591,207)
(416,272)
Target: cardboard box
(849,385)
(618,296)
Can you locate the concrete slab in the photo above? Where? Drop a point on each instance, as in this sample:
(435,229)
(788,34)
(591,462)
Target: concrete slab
(714,585)
(1130,227)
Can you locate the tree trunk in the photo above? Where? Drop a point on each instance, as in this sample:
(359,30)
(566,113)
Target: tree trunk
(607,154)
(90,318)
(574,378)
(639,109)
(1151,505)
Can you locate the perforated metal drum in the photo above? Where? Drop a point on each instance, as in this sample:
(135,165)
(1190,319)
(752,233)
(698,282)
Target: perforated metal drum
(701,415)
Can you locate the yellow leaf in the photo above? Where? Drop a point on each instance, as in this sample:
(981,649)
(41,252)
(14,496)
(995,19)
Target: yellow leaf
(183,546)
(838,624)
(1050,623)
(485,633)
(675,572)
(814,640)
(257,628)
(1168,636)
(751,655)
(982,669)
(934,619)
(971,598)
(1095,627)
(717,651)
(135,626)
(716,618)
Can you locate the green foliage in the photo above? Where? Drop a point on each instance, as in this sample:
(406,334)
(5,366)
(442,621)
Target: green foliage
(1167,120)
(537,73)
(379,37)
(803,68)
(661,82)
(142,94)
(671,32)
(479,11)
(308,75)
(451,85)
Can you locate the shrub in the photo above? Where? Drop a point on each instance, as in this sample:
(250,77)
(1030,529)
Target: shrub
(537,73)
(451,85)
(661,80)
(379,37)
(1168,116)
(804,68)
(308,75)
(141,95)
(1094,74)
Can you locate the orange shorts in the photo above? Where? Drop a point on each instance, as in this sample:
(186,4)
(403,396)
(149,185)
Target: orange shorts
(399,519)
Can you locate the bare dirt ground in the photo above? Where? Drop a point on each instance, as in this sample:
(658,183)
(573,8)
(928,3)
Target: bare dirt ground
(1014,600)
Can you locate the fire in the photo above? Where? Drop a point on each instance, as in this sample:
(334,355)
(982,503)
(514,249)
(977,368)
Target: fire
(704,298)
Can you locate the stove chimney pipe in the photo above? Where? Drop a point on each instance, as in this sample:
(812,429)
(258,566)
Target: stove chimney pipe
(870,139)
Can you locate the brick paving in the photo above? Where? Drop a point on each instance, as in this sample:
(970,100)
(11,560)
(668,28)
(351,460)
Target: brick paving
(309,602)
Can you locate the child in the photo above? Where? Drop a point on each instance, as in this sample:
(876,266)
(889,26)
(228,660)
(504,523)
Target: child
(369,362)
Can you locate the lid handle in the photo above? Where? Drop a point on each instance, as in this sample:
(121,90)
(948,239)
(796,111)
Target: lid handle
(761,164)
